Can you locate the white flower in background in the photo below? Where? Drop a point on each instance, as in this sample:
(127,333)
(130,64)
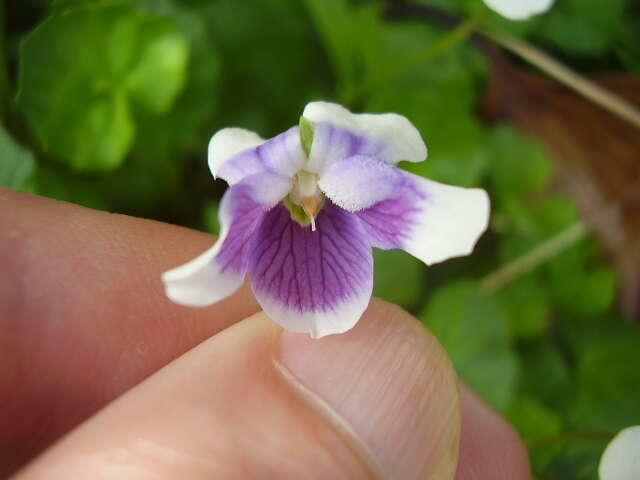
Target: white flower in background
(304,209)
(519,9)
(621,458)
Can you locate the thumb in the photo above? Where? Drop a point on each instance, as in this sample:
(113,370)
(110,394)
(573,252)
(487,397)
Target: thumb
(253,401)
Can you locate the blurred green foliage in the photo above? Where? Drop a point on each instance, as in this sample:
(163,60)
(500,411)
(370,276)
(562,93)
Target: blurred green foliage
(17,163)
(111,104)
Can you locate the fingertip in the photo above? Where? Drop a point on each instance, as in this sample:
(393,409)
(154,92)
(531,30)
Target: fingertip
(391,383)
(490,447)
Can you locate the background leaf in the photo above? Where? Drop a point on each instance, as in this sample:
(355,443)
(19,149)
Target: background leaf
(77,70)
(473,328)
(16,162)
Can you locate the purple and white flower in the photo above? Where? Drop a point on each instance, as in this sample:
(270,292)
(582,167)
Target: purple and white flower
(304,209)
(519,9)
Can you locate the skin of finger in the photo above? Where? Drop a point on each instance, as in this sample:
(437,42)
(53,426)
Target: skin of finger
(396,385)
(221,411)
(489,446)
(83,316)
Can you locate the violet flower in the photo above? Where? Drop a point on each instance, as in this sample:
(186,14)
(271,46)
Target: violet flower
(304,209)
(519,9)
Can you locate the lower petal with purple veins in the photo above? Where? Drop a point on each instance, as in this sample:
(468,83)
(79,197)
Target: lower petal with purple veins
(220,271)
(317,282)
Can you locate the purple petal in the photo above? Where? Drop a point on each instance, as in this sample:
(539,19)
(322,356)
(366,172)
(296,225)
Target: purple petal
(318,282)
(400,140)
(430,220)
(333,144)
(282,155)
(220,271)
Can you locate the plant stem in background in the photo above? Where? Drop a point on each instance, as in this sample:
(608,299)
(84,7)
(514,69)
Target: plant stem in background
(594,92)
(534,257)
(431,50)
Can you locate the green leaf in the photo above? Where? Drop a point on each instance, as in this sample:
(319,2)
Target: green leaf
(271,68)
(457,152)
(334,21)
(56,183)
(66,4)
(473,328)
(518,164)
(16,162)
(580,289)
(531,224)
(545,375)
(527,306)
(399,278)
(583,27)
(609,381)
(538,425)
(627,47)
(109,126)
(160,74)
(189,124)
(78,70)
(577,459)
(532,419)
(439,97)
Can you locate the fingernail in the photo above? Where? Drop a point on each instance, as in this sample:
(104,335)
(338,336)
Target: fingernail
(387,386)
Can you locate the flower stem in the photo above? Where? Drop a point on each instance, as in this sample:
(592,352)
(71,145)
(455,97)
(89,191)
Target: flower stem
(534,258)
(591,90)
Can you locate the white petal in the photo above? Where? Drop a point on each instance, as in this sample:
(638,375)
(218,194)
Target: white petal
(451,221)
(220,271)
(227,143)
(401,139)
(316,324)
(201,282)
(621,458)
(358,182)
(519,9)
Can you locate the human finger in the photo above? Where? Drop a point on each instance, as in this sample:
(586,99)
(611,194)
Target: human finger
(83,316)
(380,401)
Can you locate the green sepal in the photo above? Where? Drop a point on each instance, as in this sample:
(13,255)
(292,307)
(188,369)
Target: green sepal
(297,212)
(306,135)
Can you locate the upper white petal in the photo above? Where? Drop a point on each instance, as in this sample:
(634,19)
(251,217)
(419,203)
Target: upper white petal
(228,142)
(519,9)
(397,133)
(450,223)
(621,458)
